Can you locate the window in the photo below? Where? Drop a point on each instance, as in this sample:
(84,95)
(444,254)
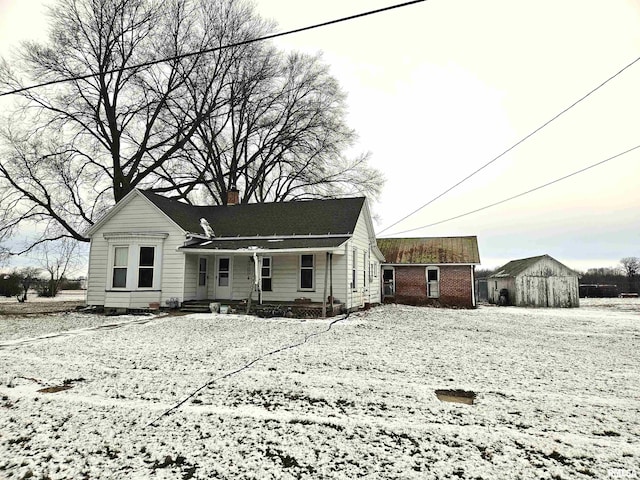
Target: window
(145,267)
(354,271)
(364,269)
(202,272)
(134,260)
(266,274)
(307,268)
(223,272)
(433,282)
(120,262)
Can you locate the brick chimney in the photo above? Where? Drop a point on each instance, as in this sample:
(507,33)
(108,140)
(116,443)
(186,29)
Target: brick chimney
(233,196)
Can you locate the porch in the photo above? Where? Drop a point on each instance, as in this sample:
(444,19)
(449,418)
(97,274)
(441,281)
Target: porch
(270,309)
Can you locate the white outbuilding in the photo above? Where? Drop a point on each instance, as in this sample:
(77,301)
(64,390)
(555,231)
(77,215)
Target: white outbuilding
(534,282)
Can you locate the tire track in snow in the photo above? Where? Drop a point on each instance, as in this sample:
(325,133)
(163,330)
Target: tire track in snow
(71,333)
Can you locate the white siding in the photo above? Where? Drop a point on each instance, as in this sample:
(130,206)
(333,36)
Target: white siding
(285,277)
(363,239)
(191,276)
(138,216)
(547,283)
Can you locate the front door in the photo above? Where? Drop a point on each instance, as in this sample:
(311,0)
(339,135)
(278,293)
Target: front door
(203,281)
(223,278)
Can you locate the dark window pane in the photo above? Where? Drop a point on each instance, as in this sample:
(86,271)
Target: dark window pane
(266,272)
(224,265)
(306,261)
(146,256)
(119,277)
(202,279)
(432,275)
(266,284)
(266,262)
(202,265)
(306,278)
(145,277)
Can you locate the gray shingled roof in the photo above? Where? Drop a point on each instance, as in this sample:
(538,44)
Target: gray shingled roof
(430,250)
(312,217)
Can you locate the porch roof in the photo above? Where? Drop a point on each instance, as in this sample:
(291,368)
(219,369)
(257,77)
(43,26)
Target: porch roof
(265,243)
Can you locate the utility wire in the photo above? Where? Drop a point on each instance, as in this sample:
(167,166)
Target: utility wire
(513,146)
(523,193)
(215,49)
(248,365)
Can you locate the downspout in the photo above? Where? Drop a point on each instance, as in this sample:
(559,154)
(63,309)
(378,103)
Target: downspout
(473,286)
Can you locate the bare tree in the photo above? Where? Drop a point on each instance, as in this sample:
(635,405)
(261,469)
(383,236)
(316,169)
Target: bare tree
(232,113)
(84,144)
(284,135)
(631,266)
(28,277)
(58,259)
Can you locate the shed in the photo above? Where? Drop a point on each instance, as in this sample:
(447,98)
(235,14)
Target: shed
(437,271)
(540,281)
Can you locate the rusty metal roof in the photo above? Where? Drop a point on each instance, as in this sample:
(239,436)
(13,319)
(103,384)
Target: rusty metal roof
(430,250)
(516,267)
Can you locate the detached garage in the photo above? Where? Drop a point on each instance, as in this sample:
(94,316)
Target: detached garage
(534,282)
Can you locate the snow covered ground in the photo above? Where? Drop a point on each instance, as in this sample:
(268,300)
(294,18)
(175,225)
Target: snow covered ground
(557,395)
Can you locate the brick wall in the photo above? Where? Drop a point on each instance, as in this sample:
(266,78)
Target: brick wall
(455,286)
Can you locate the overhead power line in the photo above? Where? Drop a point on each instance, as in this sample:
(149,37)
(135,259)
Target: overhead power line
(215,49)
(552,119)
(520,194)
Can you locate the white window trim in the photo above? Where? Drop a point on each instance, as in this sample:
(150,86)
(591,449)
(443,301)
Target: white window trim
(153,267)
(270,267)
(354,269)
(113,266)
(134,241)
(426,272)
(313,273)
(365,261)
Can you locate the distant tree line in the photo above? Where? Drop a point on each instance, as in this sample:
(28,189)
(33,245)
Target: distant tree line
(21,282)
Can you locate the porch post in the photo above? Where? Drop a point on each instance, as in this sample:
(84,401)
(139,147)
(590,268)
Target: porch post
(324,292)
(331,280)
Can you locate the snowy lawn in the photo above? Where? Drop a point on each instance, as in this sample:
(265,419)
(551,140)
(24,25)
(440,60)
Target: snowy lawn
(557,395)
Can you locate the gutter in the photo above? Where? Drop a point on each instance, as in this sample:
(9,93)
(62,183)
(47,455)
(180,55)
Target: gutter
(250,250)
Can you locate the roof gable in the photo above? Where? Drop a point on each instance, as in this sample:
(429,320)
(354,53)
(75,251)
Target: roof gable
(430,250)
(311,217)
(516,267)
(113,211)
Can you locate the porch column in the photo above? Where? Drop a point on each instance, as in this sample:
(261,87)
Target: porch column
(324,292)
(331,280)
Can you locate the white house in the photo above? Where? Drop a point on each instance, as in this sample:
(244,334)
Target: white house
(149,250)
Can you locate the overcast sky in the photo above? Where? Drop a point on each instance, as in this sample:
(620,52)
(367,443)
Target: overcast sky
(438,89)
